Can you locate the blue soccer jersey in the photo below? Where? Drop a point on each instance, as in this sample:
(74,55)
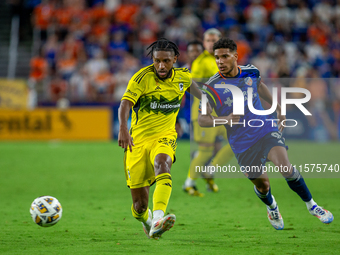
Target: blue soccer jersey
(252,127)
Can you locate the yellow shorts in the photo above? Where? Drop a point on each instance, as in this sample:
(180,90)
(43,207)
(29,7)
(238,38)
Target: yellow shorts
(208,135)
(139,164)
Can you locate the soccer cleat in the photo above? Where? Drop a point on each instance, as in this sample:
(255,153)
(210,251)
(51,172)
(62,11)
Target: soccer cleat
(162,225)
(147,227)
(211,185)
(192,191)
(323,215)
(275,218)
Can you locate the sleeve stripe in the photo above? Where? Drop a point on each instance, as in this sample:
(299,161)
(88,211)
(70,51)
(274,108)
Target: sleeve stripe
(142,74)
(214,91)
(183,69)
(129,98)
(140,79)
(206,91)
(213,78)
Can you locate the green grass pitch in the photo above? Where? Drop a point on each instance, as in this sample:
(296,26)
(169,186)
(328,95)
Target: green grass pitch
(88,180)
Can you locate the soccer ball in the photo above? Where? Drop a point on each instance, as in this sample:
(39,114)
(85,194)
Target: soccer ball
(46,211)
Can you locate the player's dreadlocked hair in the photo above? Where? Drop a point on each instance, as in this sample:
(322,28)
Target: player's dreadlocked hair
(163,44)
(225,43)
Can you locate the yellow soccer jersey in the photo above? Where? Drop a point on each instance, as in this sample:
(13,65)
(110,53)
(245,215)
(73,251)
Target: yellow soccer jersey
(156,102)
(203,67)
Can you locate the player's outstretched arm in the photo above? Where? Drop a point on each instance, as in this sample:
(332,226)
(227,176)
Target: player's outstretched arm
(264,93)
(124,138)
(194,90)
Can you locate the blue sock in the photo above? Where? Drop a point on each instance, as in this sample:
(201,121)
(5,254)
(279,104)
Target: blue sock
(297,184)
(266,198)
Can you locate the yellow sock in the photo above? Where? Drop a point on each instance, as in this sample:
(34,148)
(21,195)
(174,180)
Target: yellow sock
(162,192)
(223,156)
(143,217)
(202,158)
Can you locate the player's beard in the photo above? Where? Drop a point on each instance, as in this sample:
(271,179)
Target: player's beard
(165,77)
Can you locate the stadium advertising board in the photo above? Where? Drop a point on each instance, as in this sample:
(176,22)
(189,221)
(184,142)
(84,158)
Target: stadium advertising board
(48,123)
(13,94)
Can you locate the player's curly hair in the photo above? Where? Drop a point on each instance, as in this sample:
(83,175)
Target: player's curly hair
(163,44)
(225,43)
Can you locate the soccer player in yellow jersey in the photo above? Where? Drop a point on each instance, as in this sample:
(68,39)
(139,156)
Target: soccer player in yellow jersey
(154,94)
(202,69)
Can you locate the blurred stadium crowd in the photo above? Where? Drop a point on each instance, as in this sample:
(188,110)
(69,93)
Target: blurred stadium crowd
(87,50)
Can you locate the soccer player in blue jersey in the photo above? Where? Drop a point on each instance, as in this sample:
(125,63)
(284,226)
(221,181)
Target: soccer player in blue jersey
(254,146)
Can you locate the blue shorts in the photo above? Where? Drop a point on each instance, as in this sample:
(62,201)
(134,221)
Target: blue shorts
(252,160)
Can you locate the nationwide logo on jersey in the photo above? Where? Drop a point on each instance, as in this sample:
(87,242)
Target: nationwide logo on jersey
(153,105)
(248,81)
(180,86)
(158,88)
(163,105)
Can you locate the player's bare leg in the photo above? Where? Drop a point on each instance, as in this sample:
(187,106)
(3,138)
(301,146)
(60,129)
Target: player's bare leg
(278,155)
(263,191)
(161,196)
(140,210)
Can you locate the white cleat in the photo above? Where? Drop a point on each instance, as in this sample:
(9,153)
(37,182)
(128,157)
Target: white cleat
(323,215)
(162,225)
(147,227)
(275,218)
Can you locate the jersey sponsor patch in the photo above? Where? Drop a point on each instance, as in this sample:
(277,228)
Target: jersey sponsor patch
(162,105)
(131,93)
